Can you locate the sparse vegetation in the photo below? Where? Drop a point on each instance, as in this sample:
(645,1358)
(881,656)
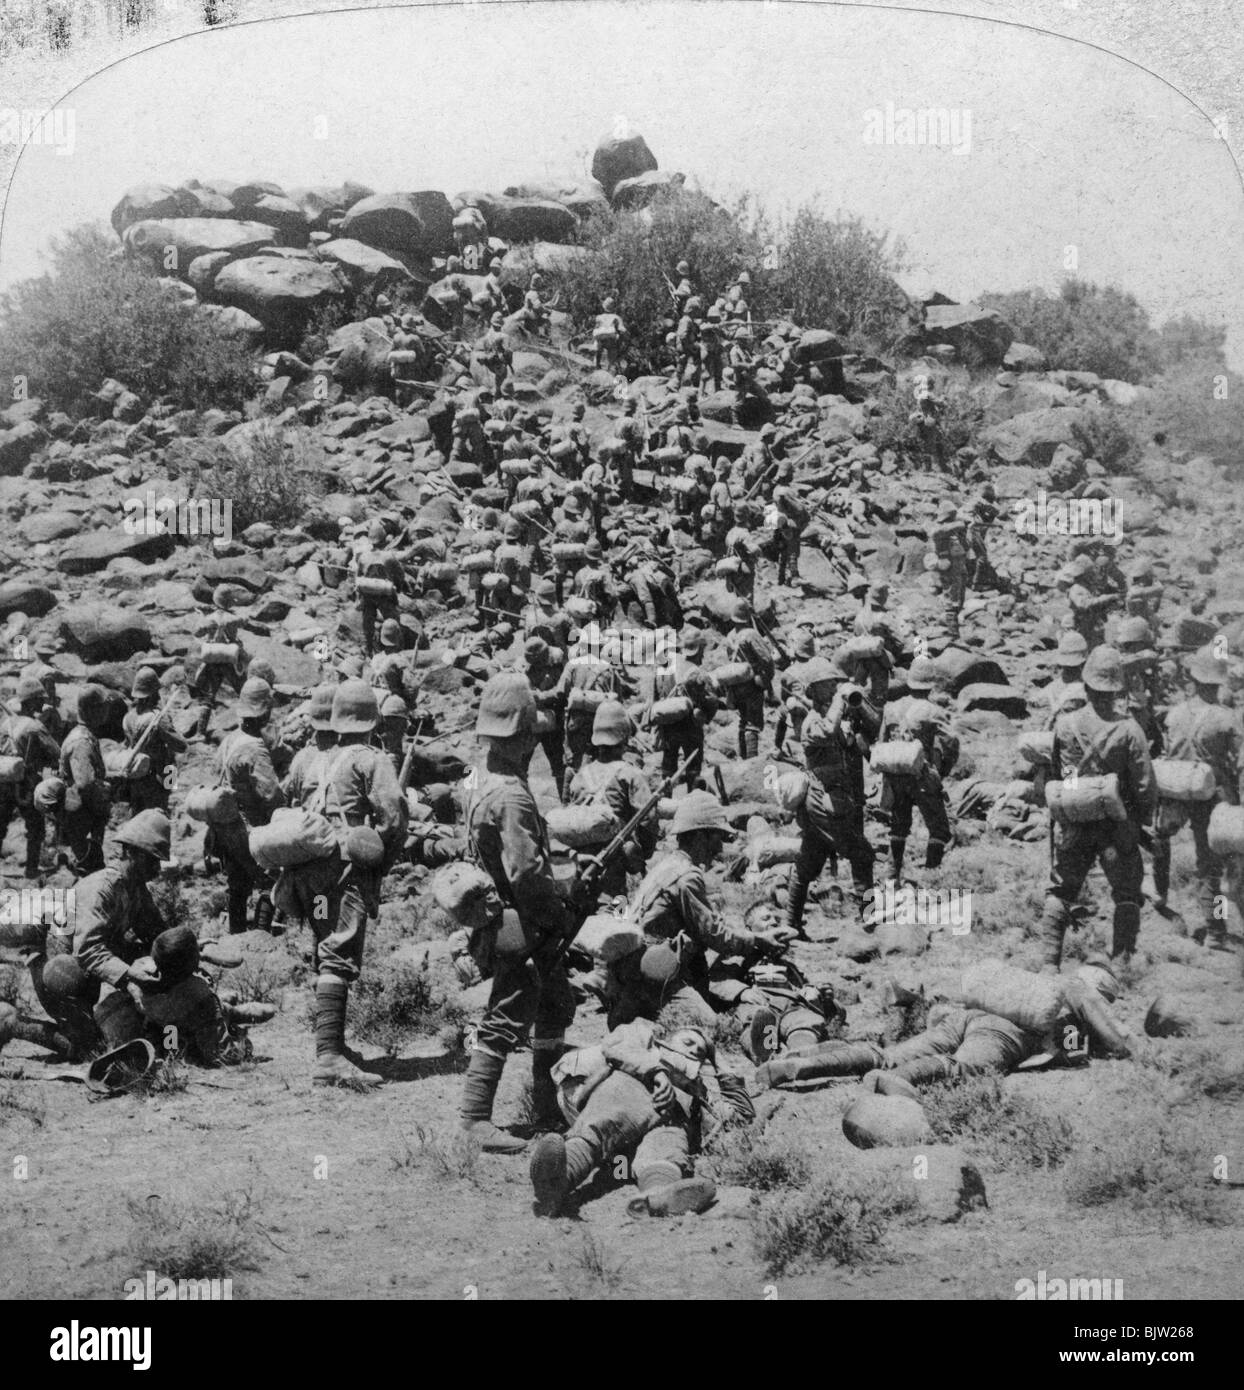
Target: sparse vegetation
(14,1105)
(194,1240)
(96,316)
(1010,1130)
(447,1155)
(274,476)
(597,1263)
(1152,1167)
(742,1158)
(399,1003)
(795,1231)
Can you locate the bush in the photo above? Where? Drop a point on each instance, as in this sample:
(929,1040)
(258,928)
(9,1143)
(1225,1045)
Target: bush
(837,273)
(742,1158)
(192,1240)
(795,1231)
(274,476)
(1009,1130)
(891,427)
(1152,1168)
(1084,329)
(1102,434)
(448,1156)
(395,1005)
(1188,404)
(633,253)
(96,316)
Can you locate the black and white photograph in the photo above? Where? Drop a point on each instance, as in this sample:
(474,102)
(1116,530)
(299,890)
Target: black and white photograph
(622,649)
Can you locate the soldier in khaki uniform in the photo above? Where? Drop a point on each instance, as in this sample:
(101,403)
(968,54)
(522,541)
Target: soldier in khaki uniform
(244,763)
(1097,741)
(1199,729)
(162,746)
(530,987)
(672,909)
(23,735)
(925,722)
(87,794)
(744,643)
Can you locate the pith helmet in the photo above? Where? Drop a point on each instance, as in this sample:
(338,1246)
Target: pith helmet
(255,700)
(701,811)
(507,706)
(1206,667)
(1072,649)
(354,708)
(322,706)
(150,831)
(146,682)
(611,725)
(1103,671)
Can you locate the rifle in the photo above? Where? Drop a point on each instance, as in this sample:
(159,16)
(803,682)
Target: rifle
(755,487)
(597,864)
(152,723)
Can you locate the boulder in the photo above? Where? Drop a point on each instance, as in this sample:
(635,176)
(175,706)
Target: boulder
(102,630)
(1031,439)
(147,200)
(415,224)
(1023,357)
(638,192)
(581,198)
(236,569)
(976,334)
(959,668)
(42,526)
(940,1178)
(282,213)
(1003,699)
(621,157)
(191,237)
(19,445)
(197,201)
(202,271)
(359,353)
(531,219)
(24,596)
(280,293)
(362,265)
(234,323)
(886,1122)
(292,667)
(1166,1020)
(95,550)
(816,344)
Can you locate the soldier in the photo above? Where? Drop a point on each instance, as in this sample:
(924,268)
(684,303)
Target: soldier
(720,508)
(161,747)
(740,549)
(493,352)
(980,514)
(745,644)
(302,783)
(607,778)
(591,675)
(1134,640)
(87,794)
(244,764)
(380,581)
(684,290)
(711,362)
(827,819)
(792,518)
(672,910)
(925,722)
(470,234)
(218,668)
(1066,690)
(1199,729)
(644,1101)
(678,740)
(535,311)
(1096,741)
(393,726)
(543,674)
(90,963)
(337,894)
(23,735)
(949,555)
(593,580)
(1087,607)
(530,988)
(609,336)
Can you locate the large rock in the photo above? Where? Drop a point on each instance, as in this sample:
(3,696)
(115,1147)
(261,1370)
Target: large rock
(413,224)
(147,200)
(362,264)
(1023,357)
(191,237)
(621,157)
(42,526)
(817,344)
(282,213)
(581,198)
(1031,439)
(19,445)
(102,630)
(976,334)
(359,353)
(197,201)
(531,219)
(233,323)
(292,667)
(1002,699)
(24,596)
(280,293)
(96,550)
(643,188)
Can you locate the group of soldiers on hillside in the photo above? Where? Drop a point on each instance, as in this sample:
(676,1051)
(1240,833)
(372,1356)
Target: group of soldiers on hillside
(314,797)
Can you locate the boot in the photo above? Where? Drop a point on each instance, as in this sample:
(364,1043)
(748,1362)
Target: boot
(332,1067)
(898,851)
(796,900)
(760,1041)
(546,1111)
(1126,926)
(479,1092)
(236,901)
(923,1069)
(1053,928)
(558,1166)
(934,853)
(675,1198)
(1161,870)
(265,910)
(248,1015)
(750,740)
(204,719)
(826,1060)
(13,1025)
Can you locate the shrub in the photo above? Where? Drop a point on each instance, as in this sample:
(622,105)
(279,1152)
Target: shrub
(633,253)
(97,316)
(595,1262)
(795,1231)
(274,476)
(1188,404)
(1152,1168)
(1084,329)
(14,1105)
(448,1156)
(1102,434)
(837,273)
(1010,1130)
(191,1240)
(890,427)
(395,1005)
(743,1158)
